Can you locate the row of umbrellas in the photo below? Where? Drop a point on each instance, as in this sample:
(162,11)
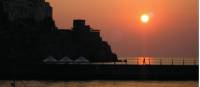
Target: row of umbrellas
(66,59)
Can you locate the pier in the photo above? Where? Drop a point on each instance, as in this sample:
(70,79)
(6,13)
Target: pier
(186,70)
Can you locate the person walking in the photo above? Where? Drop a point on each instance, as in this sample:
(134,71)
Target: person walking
(144,61)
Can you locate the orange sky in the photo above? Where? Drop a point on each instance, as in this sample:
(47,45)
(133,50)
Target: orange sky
(171,31)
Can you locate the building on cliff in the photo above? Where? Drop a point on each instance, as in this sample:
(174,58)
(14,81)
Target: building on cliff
(81,40)
(28,35)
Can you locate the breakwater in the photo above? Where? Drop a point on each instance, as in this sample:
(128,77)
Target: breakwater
(98,71)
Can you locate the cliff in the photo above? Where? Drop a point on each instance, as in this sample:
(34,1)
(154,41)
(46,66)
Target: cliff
(28,35)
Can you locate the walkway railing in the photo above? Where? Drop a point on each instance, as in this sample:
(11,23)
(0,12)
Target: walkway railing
(159,61)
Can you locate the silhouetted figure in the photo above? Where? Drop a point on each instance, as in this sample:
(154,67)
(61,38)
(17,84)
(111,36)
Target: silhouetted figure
(144,61)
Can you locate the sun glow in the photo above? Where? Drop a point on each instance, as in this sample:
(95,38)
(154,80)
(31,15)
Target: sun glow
(144,18)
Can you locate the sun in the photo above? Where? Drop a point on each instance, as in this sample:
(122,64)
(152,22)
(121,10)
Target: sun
(144,18)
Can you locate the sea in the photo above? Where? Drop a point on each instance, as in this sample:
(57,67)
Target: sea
(100,83)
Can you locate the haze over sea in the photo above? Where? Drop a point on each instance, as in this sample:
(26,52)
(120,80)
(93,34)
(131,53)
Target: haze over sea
(101,83)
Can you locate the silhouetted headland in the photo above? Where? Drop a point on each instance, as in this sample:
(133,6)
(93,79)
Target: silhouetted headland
(32,47)
(28,34)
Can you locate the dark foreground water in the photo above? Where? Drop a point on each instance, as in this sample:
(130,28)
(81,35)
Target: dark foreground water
(97,83)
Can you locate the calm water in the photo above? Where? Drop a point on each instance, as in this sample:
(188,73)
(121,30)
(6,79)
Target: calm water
(97,83)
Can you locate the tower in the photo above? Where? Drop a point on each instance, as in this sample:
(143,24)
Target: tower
(80,26)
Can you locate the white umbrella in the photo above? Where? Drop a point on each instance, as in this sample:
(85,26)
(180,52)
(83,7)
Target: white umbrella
(82,60)
(66,60)
(50,59)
